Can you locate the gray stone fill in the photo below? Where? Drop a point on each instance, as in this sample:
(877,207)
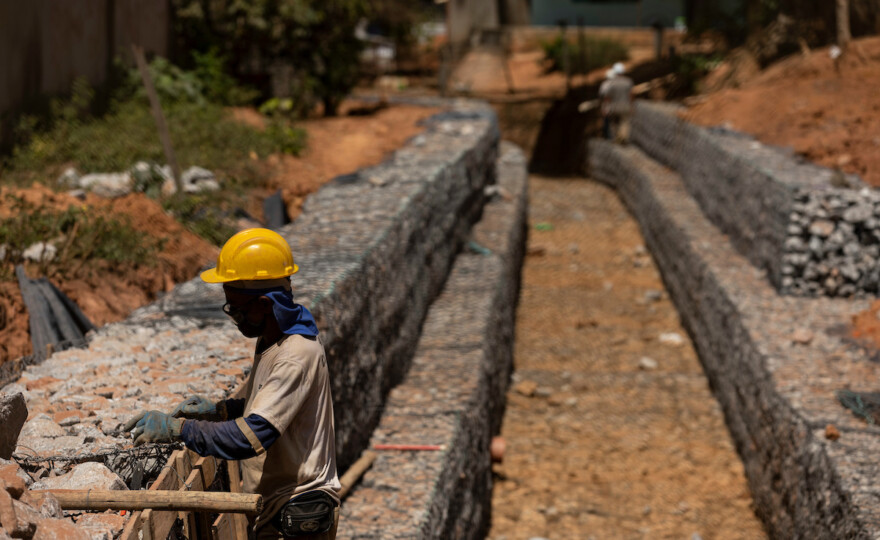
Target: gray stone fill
(453,394)
(373,255)
(777,393)
(814,230)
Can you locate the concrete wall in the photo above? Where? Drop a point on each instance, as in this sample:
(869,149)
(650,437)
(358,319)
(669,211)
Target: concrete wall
(466,17)
(46,44)
(514,12)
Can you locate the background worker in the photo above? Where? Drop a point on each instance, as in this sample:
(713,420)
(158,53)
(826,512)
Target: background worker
(603,107)
(283,429)
(618,101)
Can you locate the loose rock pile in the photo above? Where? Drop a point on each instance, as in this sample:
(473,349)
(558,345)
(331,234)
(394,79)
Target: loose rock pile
(814,230)
(151,178)
(833,244)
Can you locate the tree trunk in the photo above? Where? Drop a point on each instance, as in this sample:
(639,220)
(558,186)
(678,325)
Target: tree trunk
(843,33)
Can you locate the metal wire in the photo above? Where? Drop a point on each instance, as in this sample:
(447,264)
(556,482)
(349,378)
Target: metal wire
(149,458)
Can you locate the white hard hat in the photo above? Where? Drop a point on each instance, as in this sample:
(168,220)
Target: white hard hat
(619,68)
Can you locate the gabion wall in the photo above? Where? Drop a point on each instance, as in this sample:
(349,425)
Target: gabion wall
(453,395)
(374,249)
(778,396)
(814,230)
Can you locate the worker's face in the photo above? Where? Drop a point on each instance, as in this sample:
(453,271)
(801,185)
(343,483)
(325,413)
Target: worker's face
(248,312)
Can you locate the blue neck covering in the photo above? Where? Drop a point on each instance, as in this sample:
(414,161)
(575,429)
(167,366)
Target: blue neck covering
(292,318)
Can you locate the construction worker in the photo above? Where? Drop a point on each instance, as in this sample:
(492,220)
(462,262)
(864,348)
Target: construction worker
(282,431)
(617,100)
(603,108)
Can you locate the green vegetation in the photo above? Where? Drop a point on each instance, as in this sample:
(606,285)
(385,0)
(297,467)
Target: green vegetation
(202,132)
(205,214)
(80,234)
(690,69)
(313,40)
(584,55)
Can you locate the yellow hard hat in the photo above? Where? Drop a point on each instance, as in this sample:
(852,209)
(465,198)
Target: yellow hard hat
(252,254)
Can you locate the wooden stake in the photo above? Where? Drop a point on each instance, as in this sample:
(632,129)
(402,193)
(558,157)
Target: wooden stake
(156,107)
(187,501)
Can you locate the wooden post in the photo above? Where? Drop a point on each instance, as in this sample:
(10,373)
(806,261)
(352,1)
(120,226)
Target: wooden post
(156,107)
(187,501)
(357,469)
(566,59)
(843,33)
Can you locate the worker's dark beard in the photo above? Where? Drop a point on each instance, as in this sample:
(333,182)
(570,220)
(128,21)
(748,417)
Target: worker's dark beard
(251,330)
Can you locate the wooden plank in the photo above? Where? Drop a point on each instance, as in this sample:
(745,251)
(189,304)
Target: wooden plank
(183,463)
(240,521)
(132,527)
(190,527)
(162,522)
(167,479)
(208,467)
(194,481)
(147,525)
(198,522)
(224,528)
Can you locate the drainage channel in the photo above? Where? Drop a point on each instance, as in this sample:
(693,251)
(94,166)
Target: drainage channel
(776,362)
(611,428)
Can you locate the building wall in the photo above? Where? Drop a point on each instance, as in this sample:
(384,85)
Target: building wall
(607,12)
(46,44)
(464,17)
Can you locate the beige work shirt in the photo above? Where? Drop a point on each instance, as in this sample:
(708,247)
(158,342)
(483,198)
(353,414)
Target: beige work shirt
(289,386)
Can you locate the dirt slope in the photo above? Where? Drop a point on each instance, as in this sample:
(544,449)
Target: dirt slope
(336,146)
(829,114)
(104,292)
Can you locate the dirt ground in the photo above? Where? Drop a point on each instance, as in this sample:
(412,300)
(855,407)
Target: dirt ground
(106,294)
(611,430)
(824,111)
(337,146)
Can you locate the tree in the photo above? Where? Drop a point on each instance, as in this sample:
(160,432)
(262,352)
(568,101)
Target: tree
(315,38)
(843,33)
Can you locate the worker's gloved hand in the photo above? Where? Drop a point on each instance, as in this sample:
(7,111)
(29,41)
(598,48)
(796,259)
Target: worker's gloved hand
(197,408)
(154,427)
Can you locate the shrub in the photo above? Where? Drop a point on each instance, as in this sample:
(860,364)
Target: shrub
(79,234)
(202,134)
(314,37)
(584,55)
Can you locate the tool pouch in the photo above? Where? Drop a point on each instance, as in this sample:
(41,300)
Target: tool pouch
(309,513)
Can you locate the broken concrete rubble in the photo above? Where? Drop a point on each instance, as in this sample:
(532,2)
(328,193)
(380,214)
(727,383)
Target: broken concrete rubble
(13,414)
(88,475)
(22,516)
